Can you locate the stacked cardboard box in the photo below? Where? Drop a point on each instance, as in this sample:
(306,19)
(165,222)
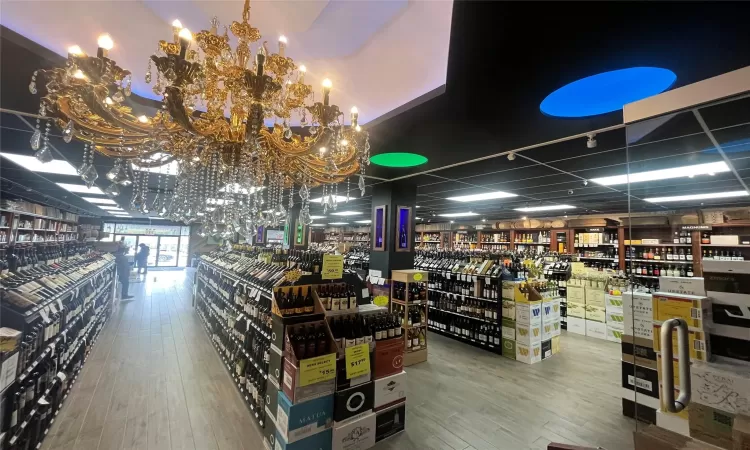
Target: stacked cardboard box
(639,361)
(576,306)
(596,316)
(530,324)
(615,317)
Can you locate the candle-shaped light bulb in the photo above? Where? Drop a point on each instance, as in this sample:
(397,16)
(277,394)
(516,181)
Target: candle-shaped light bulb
(176,27)
(357,128)
(282,44)
(355,116)
(105,44)
(185,37)
(302,71)
(78,74)
(75,50)
(326,90)
(322,151)
(108,101)
(142,119)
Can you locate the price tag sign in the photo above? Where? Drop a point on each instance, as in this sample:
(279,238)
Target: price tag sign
(357,361)
(315,370)
(333,267)
(577,267)
(381,300)
(417,277)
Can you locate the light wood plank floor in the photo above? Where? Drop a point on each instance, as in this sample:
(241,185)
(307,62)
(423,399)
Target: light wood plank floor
(154,381)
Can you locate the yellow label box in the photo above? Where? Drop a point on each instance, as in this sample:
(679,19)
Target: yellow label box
(528,334)
(692,308)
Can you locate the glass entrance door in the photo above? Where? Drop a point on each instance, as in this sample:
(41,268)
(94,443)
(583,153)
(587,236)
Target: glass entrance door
(168,251)
(151,242)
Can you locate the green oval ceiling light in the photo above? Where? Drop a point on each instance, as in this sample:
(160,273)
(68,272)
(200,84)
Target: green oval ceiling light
(398,159)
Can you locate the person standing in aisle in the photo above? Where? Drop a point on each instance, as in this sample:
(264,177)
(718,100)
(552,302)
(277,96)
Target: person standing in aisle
(141,259)
(123,272)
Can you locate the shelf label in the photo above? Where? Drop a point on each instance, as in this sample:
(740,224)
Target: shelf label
(315,370)
(333,267)
(45,316)
(417,277)
(357,361)
(696,227)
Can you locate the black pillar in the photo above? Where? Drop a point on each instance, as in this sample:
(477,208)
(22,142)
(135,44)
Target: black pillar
(393,195)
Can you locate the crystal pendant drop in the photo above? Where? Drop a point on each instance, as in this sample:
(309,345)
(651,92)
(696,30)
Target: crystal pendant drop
(361,185)
(114,173)
(68,132)
(82,168)
(148,77)
(118,97)
(90,176)
(127,90)
(288,133)
(325,208)
(313,130)
(304,192)
(304,216)
(32,87)
(112,190)
(36,139)
(334,202)
(44,155)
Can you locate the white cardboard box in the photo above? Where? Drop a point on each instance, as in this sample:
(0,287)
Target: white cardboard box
(639,304)
(616,319)
(722,386)
(614,334)
(550,329)
(529,313)
(528,334)
(613,301)
(390,390)
(550,310)
(673,423)
(596,329)
(357,434)
(576,325)
(640,328)
(529,354)
(682,285)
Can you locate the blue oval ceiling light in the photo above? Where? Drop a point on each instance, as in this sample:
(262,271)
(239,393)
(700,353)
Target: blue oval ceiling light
(606,92)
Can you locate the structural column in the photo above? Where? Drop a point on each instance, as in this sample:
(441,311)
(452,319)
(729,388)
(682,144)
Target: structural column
(392,227)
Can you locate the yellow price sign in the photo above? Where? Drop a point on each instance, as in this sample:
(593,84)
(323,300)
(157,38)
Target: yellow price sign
(417,277)
(333,267)
(381,300)
(315,370)
(357,361)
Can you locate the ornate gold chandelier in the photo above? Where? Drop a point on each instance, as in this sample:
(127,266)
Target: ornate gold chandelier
(232,167)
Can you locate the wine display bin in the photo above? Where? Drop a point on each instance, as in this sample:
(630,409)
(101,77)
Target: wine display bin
(411,279)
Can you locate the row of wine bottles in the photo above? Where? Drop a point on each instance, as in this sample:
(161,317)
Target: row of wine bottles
(36,399)
(487,290)
(16,257)
(260,274)
(30,286)
(468,307)
(359,329)
(43,330)
(467,328)
(252,375)
(415,291)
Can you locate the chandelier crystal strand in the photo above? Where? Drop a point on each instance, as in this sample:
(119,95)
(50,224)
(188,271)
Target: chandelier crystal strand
(36,138)
(44,154)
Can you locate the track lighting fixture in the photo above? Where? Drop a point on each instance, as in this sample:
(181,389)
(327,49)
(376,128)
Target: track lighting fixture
(591,143)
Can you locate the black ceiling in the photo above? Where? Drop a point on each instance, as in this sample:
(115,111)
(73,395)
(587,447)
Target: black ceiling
(505,57)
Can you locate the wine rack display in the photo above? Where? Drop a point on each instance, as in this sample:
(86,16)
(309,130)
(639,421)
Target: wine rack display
(466,308)
(236,312)
(270,331)
(409,301)
(52,315)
